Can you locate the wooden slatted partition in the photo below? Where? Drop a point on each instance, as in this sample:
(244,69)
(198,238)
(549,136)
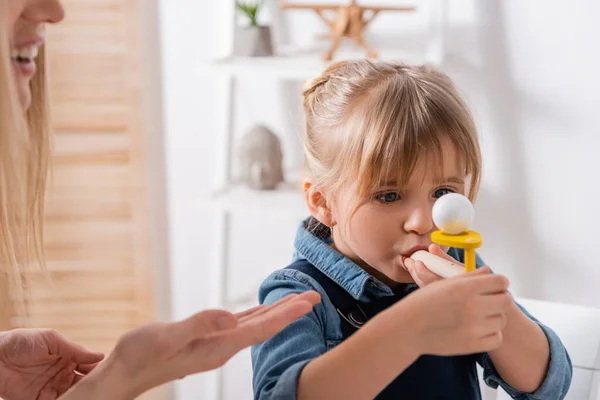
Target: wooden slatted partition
(97,217)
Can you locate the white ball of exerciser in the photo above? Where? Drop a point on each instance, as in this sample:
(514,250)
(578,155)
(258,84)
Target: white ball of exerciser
(453,213)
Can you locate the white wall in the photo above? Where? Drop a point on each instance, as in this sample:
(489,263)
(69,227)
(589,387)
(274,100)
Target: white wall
(188,41)
(529,70)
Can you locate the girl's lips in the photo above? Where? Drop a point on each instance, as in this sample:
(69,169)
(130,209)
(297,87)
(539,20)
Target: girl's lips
(410,252)
(402,259)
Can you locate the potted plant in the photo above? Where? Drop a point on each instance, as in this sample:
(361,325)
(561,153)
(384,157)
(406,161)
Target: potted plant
(253,40)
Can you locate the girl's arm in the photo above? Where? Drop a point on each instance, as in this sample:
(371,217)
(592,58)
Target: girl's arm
(523,359)
(296,363)
(360,367)
(531,360)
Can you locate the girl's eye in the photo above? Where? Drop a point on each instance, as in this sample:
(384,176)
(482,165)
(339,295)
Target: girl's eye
(441,192)
(388,197)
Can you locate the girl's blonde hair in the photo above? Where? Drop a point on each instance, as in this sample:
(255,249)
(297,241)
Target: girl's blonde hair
(367,121)
(24,155)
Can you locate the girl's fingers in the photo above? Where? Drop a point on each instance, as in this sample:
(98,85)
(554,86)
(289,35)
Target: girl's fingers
(437,251)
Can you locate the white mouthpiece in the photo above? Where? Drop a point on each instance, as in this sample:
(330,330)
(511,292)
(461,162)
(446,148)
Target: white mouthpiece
(453,213)
(437,265)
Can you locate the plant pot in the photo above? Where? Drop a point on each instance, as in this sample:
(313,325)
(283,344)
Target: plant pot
(253,41)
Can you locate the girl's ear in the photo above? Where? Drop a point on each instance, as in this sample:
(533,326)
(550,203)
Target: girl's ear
(317,204)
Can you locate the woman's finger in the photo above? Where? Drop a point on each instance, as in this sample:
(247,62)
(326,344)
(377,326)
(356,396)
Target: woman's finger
(263,327)
(48,393)
(264,307)
(72,351)
(245,313)
(201,324)
(85,368)
(310,296)
(63,381)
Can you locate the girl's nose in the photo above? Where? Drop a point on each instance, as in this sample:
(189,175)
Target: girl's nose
(419,221)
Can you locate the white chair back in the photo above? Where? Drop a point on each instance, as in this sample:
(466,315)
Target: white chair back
(579,329)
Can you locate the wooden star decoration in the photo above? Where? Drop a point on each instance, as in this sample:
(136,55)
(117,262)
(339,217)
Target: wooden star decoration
(350,22)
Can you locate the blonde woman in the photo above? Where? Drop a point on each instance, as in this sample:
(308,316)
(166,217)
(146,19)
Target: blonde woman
(42,364)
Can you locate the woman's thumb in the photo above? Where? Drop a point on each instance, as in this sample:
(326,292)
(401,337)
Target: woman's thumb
(77,353)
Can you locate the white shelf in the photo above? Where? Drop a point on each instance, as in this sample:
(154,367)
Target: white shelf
(287,198)
(297,65)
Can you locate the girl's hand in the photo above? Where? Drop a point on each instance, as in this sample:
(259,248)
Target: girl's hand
(420,273)
(41,364)
(461,315)
(464,314)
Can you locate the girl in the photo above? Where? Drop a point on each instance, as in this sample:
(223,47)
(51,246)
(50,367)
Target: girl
(383,141)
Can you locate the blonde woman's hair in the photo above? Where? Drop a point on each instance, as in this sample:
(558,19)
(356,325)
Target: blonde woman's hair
(24,154)
(368,120)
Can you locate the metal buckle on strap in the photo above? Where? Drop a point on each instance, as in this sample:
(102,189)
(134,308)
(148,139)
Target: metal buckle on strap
(356,317)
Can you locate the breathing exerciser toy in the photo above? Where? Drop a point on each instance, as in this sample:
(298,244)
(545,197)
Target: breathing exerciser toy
(452,214)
